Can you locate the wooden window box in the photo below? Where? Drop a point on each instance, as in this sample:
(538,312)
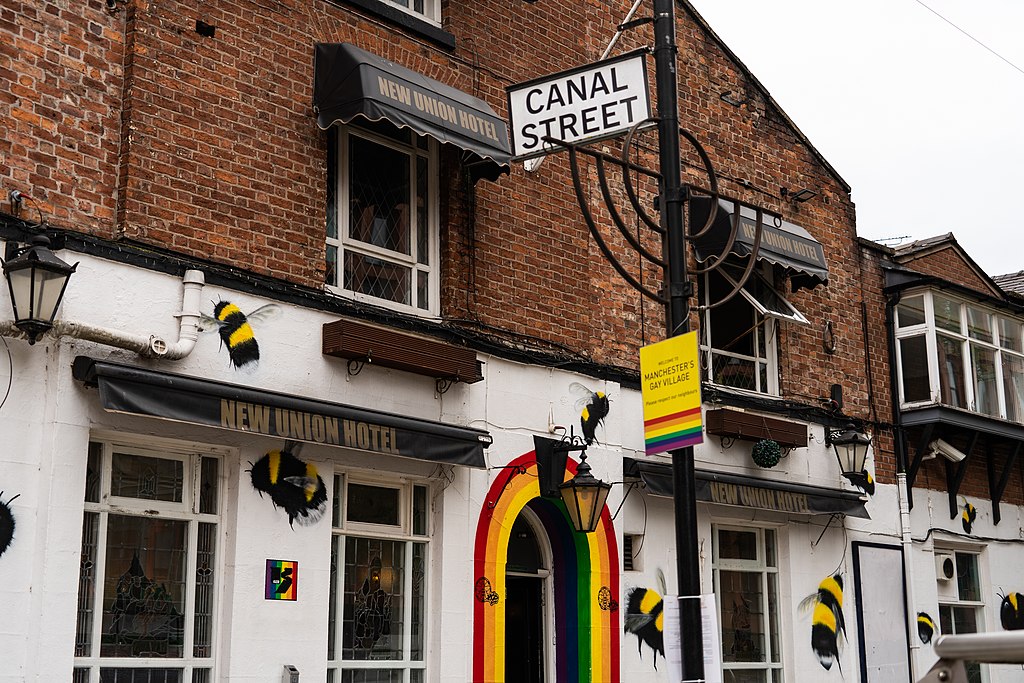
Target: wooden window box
(739,424)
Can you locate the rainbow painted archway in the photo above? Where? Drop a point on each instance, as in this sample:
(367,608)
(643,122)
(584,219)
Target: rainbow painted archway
(586,582)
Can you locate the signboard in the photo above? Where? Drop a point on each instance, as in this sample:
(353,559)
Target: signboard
(671,394)
(584,104)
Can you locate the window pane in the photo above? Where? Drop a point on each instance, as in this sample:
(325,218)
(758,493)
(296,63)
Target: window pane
(951,371)
(914,368)
(208,479)
(372,504)
(419,510)
(979,324)
(205,563)
(910,311)
(1009,334)
(422,223)
(86,585)
(380,195)
(92,472)
(947,313)
(1013,387)
(423,289)
(734,372)
(331,266)
(332,183)
(332,607)
(419,575)
(968,585)
(733,322)
(137,476)
(983,361)
(773,617)
(737,545)
(336,500)
(140,675)
(376,277)
(743,627)
(374,599)
(769,546)
(144,587)
(372,676)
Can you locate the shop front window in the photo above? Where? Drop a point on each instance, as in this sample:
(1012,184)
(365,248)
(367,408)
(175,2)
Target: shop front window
(377,606)
(745,567)
(963,611)
(148,566)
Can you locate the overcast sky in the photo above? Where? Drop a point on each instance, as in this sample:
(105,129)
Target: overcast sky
(920,120)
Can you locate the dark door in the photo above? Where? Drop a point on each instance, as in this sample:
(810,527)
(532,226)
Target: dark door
(524,639)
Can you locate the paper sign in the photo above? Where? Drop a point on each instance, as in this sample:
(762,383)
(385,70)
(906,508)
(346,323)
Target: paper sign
(712,644)
(671,394)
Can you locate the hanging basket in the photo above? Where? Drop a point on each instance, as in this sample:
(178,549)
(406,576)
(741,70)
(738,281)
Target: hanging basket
(766,453)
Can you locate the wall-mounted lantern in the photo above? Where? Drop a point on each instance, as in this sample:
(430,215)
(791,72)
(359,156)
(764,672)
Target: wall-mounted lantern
(36,279)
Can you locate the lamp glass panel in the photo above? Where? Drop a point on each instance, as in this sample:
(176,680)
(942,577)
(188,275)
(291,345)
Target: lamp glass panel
(48,288)
(21,292)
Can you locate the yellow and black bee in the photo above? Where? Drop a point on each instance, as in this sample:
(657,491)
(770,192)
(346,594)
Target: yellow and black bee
(827,621)
(235,330)
(6,523)
(645,618)
(292,484)
(968,515)
(1011,612)
(925,627)
(594,410)
(864,481)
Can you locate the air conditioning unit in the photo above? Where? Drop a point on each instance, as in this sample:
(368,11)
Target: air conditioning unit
(945,567)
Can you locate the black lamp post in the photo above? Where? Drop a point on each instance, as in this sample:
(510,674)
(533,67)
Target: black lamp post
(36,279)
(584,497)
(851,448)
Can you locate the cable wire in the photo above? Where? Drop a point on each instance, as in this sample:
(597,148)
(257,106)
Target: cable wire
(970,36)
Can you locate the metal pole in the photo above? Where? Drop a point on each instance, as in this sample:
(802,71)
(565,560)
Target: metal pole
(678,322)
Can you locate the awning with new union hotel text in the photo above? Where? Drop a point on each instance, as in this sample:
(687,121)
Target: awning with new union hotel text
(138,391)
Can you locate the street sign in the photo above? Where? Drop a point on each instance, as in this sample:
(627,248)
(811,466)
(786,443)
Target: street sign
(584,104)
(671,394)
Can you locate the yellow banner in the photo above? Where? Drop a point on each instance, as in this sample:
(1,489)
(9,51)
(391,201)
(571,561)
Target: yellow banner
(670,383)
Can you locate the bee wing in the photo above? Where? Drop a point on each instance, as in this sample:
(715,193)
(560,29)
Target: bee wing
(265,313)
(807,604)
(584,395)
(634,622)
(207,323)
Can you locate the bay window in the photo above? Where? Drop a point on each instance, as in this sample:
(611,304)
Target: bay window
(960,354)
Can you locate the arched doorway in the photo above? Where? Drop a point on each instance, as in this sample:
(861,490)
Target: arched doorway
(580,594)
(527,587)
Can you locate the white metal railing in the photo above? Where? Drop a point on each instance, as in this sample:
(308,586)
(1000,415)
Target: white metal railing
(1005,647)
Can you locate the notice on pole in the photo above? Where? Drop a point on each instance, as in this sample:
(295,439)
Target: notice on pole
(712,641)
(671,394)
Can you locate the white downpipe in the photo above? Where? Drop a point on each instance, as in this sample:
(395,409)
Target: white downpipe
(908,570)
(151,346)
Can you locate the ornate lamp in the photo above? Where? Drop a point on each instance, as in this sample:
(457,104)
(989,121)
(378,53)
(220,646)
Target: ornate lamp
(37,279)
(584,497)
(850,446)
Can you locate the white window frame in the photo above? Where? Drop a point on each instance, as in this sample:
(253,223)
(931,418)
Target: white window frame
(341,529)
(768,322)
(431,9)
(930,331)
(423,147)
(775,671)
(977,605)
(87,668)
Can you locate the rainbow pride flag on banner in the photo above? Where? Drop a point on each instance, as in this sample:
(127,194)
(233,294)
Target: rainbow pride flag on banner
(670,380)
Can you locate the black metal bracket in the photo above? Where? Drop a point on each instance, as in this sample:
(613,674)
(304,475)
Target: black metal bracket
(355,365)
(955,476)
(997,485)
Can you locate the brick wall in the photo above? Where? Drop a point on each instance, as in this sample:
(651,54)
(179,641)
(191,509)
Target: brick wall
(131,124)
(949,264)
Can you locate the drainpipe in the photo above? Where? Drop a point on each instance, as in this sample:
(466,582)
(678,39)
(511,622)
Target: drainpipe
(151,346)
(902,492)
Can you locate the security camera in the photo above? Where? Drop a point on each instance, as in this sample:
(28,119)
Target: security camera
(947,451)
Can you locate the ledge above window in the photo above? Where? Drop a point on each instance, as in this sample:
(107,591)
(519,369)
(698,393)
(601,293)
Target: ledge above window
(739,424)
(406,20)
(363,343)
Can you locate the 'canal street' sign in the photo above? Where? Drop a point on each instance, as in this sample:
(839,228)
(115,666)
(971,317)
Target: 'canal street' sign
(581,105)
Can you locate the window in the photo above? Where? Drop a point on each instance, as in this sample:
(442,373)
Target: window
(960,354)
(423,9)
(962,610)
(739,336)
(745,567)
(378,583)
(632,544)
(382,216)
(149,566)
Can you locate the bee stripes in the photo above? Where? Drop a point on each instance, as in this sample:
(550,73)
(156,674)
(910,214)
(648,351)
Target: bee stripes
(967,517)
(292,485)
(645,619)
(827,621)
(925,627)
(1011,612)
(236,334)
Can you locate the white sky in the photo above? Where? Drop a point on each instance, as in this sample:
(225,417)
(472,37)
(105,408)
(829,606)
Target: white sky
(919,119)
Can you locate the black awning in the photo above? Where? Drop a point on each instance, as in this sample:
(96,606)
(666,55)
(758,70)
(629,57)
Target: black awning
(137,391)
(351,82)
(787,245)
(751,492)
